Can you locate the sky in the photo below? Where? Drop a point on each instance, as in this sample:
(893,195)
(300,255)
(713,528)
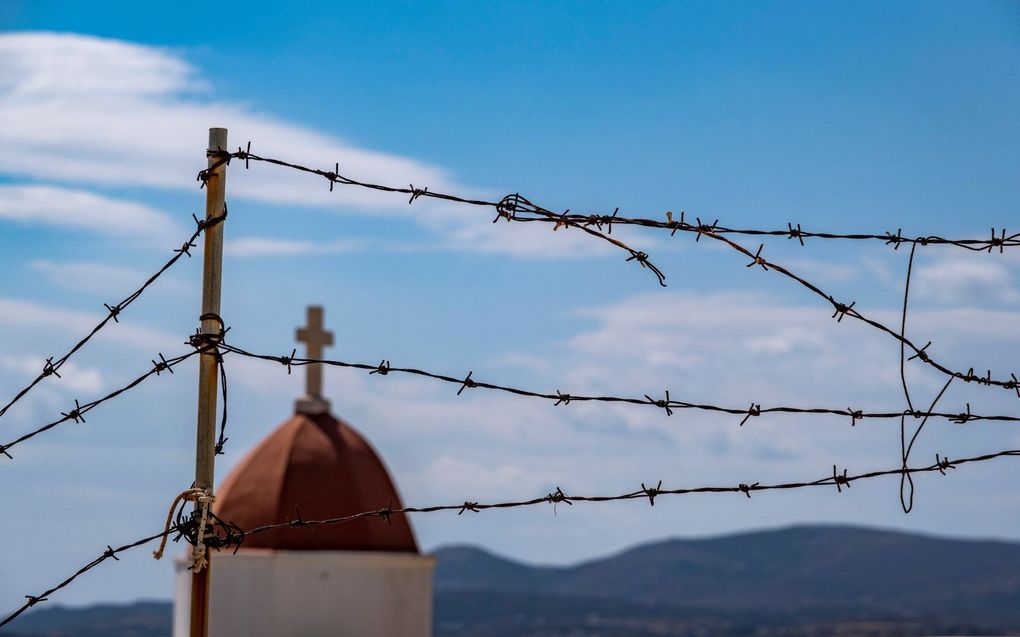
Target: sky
(843,117)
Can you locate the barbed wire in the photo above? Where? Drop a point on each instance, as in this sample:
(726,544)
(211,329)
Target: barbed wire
(53,365)
(906,480)
(223,534)
(224,157)
(507,204)
(205,342)
(667,404)
(793,231)
(842,310)
(517,208)
(77,414)
(837,479)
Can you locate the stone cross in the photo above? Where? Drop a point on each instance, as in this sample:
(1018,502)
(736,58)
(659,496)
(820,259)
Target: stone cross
(315,339)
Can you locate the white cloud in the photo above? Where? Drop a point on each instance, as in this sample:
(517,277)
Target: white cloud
(978,278)
(493,478)
(29,315)
(824,270)
(112,112)
(97,277)
(107,112)
(46,64)
(270,247)
(82,210)
(87,380)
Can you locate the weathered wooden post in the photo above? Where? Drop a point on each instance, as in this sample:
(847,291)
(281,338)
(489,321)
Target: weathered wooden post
(208,371)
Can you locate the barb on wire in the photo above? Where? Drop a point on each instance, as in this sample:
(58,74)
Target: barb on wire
(668,404)
(80,409)
(517,208)
(53,364)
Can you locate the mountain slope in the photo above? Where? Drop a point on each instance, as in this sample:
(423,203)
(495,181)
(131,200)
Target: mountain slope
(800,574)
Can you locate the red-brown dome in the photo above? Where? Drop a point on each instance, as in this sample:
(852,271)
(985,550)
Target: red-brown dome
(323,468)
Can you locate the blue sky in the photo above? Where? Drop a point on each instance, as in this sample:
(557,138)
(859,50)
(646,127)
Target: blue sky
(848,117)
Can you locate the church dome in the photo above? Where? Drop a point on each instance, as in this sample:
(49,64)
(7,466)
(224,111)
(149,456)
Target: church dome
(321,467)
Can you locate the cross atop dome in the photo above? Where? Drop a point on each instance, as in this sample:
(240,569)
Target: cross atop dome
(364,577)
(316,339)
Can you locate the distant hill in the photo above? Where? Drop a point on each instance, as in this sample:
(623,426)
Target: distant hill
(796,581)
(141,619)
(800,581)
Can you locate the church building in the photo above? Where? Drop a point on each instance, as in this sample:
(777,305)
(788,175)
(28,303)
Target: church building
(360,578)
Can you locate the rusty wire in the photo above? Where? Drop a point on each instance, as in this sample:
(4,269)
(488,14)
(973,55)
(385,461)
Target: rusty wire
(225,535)
(53,364)
(517,208)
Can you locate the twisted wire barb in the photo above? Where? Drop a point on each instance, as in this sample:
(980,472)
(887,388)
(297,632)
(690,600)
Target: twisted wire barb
(517,208)
(52,366)
(558,397)
(227,535)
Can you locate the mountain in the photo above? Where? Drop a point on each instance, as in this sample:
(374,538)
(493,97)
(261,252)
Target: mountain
(140,619)
(804,581)
(800,580)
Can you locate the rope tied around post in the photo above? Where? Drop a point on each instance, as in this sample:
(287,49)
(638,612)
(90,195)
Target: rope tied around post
(203,498)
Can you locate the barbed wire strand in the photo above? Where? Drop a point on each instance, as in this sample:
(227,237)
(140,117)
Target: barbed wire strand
(52,367)
(667,404)
(903,328)
(793,230)
(641,258)
(836,479)
(906,480)
(512,207)
(205,342)
(231,536)
(842,310)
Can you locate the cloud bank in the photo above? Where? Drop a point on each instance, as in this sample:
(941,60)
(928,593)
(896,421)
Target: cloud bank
(87,110)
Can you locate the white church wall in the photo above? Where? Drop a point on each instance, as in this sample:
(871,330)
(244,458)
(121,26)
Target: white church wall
(313,593)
